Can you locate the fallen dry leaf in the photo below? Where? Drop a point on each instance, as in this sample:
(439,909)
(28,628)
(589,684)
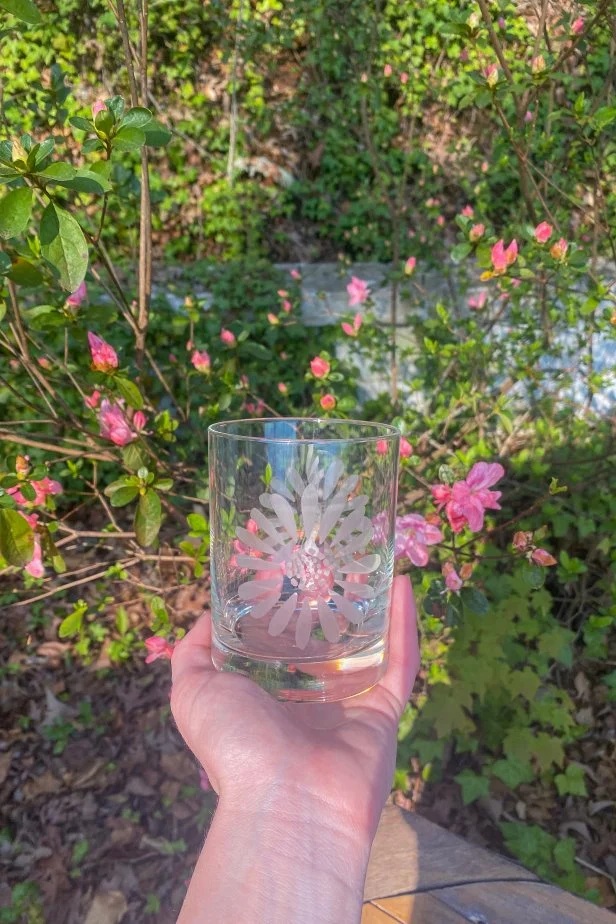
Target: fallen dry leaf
(5,766)
(39,785)
(107,908)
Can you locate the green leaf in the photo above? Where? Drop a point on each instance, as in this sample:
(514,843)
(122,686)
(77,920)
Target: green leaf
(473,786)
(134,456)
(513,771)
(58,171)
(28,491)
(460,251)
(24,273)
(22,9)
(44,150)
(156,135)
(557,644)
(15,212)
(92,144)
(87,181)
(533,576)
(16,538)
(163,484)
(523,683)
(129,139)
(72,623)
(571,781)
(604,116)
(83,124)
(122,621)
(129,392)
(64,246)
(475,601)
(148,518)
(137,117)
(123,496)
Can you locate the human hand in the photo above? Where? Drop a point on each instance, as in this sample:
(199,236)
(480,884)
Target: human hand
(310,778)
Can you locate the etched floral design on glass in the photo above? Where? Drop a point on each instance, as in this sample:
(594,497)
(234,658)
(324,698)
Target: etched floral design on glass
(314,532)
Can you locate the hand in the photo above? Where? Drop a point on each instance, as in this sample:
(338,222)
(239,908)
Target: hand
(298,773)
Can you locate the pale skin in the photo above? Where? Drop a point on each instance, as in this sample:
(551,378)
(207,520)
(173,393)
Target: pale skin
(301,787)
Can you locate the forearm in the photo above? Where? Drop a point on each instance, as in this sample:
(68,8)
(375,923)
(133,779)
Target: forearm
(279,864)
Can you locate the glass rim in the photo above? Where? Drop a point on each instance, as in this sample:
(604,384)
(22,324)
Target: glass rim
(385,431)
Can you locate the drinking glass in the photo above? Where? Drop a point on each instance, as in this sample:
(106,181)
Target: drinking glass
(302,515)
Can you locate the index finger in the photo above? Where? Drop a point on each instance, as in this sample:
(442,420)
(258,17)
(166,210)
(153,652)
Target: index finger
(194,651)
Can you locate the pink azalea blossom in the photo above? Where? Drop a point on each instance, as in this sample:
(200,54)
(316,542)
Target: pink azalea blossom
(75,298)
(381,447)
(104,357)
(358,291)
(282,293)
(477,302)
(477,232)
(201,361)
(319,367)
(537,65)
(528,116)
(543,232)
(44,362)
(295,274)
(273,319)
(501,23)
(491,74)
(352,329)
(453,581)
(409,266)
(113,424)
(441,221)
(97,107)
(404,77)
(406,449)
(388,70)
(485,166)
(466,501)
(283,388)
(503,258)
(543,558)
(158,647)
(328,402)
(93,399)
(522,540)
(42,489)
(559,249)
(228,337)
(413,536)
(286,305)
(35,566)
(577,25)
(139,421)
(468,211)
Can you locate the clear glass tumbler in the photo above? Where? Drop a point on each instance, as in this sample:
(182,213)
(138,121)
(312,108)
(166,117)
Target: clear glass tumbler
(302,517)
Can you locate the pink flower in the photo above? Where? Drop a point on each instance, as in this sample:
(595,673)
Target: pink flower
(295,274)
(35,566)
(537,65)
(440,221)
(328,402)
(104,357)
(577,25)
(404,77)
(273,319)
(491,74)
(477,232)
(97,107)
(201,361)
(485,166)
(528,116)
(541,557)
(522,540)
(93,399)
(543,232)
(466,502)
(502,258)
(381,447)
(319,367)
(413,536)
(158,647)
(113,424)
(352,329)
(75,298)
(204,780)
(42,488)
(501,23)
(22,465)
(477,302)
(559,249)
(286,305)
(464,54)
(364,77)
(358,291)
(468,211)
(282,388)
(406,449)
(388,70)
(227,336)
(409,266)
(515,282)
(453,581)
(139,421)
(44,362)
(282,293)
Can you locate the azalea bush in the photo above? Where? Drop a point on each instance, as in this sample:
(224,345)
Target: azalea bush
(499,380)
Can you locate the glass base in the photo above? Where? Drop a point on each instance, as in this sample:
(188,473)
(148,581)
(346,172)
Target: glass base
(307,681)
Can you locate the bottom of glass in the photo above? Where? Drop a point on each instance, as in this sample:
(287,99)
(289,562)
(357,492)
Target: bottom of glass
(307,681)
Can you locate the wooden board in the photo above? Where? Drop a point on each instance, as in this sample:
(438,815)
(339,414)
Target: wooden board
(422,874)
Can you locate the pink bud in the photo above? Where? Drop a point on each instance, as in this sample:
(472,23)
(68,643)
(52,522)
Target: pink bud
(319,367)
(477,232)
(559,249)
(282,293)
(409,266)
(201,361)
(286,306)
(227,337)
(388,70)
(282,388)
(543,232)
(104,357)
(328,402)
(577,25)
(295,274)
(381,447)
(440,221)
(139,420)
(404,77)
(273,319)
(405,448)
(75,298)
(97,107)
(468,211)
(93,399)
(543,558)
(528,116)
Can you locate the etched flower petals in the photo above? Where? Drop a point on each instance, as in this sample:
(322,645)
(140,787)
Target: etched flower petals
(332,475)
(358,590)
(303,628)
(269,526)
(347,608)
(265,606)
(254,564)
(253,590)
(328,621)
(365,565)
(253,542)
(310,509)
(284,512)
(282,617)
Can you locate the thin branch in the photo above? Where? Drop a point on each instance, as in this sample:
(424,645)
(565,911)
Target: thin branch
(19,440)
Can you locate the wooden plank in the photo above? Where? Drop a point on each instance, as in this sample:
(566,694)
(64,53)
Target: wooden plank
(515,902)
(423,908)
(413,854)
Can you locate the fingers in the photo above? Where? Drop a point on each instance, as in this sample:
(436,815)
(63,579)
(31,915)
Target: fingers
(403,662)
(193,651)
